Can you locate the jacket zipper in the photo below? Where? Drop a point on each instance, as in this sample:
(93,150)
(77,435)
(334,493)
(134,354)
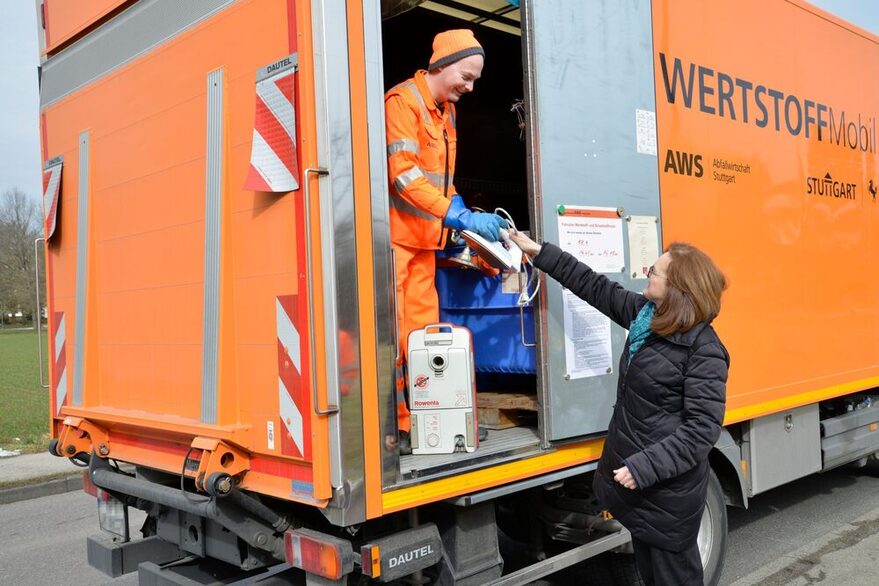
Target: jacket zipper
(445,182)
(650,338)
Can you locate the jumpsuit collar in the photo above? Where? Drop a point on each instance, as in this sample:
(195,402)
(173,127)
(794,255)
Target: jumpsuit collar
(429,101)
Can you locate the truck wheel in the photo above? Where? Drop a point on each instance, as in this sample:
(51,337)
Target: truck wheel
(712,539)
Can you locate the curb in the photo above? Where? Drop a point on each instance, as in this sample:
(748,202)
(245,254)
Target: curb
(32,491)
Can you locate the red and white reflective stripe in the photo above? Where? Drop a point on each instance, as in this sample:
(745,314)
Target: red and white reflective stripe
(51,189)
(292,398)
(59,378)
(273,165)
(290,416)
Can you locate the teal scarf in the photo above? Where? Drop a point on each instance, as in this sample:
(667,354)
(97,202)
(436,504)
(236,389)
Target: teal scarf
(640,328)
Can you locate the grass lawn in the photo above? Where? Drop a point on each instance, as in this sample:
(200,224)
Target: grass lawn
(24,404)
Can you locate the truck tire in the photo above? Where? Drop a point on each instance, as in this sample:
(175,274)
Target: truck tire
(712,539)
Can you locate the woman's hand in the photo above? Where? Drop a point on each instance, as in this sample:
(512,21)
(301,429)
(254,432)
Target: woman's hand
(527,245)
(624,477)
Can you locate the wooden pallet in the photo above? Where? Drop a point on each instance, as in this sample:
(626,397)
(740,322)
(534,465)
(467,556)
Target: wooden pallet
(504,410)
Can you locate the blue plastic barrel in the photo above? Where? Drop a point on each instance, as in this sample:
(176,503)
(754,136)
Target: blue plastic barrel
(470,299)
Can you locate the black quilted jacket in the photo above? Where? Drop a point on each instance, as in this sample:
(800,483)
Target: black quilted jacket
(668,413)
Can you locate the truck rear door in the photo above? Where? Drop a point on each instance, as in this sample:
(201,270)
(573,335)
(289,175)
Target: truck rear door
(185,299)
(593,177)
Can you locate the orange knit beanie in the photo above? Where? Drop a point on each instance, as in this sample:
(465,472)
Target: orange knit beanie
(454,45)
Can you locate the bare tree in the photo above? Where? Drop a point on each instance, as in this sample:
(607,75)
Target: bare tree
(19,225)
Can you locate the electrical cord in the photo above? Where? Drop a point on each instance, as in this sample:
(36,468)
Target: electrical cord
(532,278)
(116,467)
(77,463)
(506,215)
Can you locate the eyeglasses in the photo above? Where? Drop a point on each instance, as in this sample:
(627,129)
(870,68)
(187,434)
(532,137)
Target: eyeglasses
(651,272)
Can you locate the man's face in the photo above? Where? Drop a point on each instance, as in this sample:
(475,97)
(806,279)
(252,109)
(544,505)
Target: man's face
(457,79)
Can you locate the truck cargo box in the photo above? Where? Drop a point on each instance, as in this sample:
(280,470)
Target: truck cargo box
(220,279)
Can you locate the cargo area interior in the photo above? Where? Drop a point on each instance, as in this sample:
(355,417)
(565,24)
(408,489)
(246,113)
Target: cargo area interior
(490,173)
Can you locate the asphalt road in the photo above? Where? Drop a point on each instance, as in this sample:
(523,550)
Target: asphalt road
(784,519)
(44,540)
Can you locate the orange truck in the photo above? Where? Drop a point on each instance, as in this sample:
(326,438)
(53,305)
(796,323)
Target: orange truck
(220,286)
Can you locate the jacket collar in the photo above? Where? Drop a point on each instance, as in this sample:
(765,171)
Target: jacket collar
(681,338)
(689,337)
(421,84)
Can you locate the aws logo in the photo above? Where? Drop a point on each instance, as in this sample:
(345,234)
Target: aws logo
(682,163)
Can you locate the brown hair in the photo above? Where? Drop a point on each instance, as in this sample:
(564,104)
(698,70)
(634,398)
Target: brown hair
(695,285)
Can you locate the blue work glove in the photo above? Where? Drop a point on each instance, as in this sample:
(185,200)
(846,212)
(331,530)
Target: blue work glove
(458,217)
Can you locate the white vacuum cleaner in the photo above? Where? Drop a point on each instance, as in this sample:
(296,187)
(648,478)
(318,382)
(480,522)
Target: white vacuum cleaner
(442,390)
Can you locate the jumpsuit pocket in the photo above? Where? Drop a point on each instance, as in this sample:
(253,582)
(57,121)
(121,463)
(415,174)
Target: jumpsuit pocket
(433,149)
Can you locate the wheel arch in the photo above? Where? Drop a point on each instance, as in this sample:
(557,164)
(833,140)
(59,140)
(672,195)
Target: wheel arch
(726,461)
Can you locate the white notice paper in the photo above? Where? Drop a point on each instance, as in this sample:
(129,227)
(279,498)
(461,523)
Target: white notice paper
(643,244)
(587,339)
(645,131)
(594,236)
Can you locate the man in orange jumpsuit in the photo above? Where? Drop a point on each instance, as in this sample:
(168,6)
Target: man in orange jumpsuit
(421,136)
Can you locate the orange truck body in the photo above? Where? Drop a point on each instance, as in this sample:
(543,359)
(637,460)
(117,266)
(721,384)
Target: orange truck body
(170,312)
(144,296)
(800,317)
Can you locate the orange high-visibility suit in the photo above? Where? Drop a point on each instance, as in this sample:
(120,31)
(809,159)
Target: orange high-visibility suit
(421,166)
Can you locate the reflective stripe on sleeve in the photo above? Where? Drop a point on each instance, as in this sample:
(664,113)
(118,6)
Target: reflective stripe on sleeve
(403,145)
(407,177)
(436,179)
(401,205)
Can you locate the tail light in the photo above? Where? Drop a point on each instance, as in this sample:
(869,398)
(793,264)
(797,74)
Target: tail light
(318,553)
(88,486)
(112,514)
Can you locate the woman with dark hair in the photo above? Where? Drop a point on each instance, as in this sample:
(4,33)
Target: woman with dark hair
(671,397)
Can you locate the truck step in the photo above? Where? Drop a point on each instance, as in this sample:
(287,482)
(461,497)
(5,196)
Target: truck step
(529,574)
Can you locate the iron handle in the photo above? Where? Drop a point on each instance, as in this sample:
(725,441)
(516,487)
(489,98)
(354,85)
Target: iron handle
(320,172)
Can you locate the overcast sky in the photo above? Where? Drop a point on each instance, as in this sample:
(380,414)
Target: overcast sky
(19,109)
